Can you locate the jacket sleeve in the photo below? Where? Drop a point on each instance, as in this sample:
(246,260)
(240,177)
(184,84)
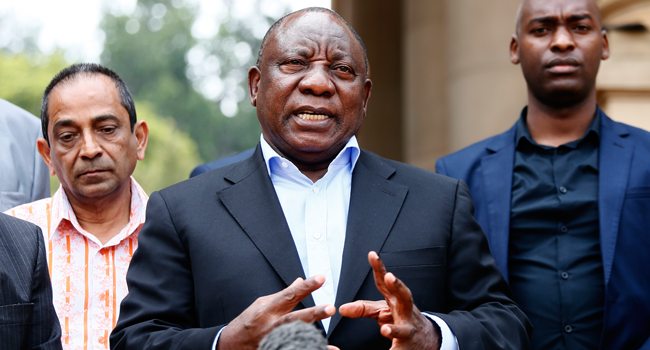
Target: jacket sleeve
(45,332)
(41,184)
(159,311)
(483,316)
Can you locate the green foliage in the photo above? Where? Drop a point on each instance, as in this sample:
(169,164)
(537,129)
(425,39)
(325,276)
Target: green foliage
(151,52)
(23,79)
(171,154)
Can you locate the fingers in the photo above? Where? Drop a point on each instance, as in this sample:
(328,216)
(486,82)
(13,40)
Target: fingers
(332,347)
(364,308)
(401,293)
(309,315)
(379,271)
(287,299)
(398,331)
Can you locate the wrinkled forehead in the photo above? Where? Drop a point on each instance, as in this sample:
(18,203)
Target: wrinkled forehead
(316,32)
(558,9)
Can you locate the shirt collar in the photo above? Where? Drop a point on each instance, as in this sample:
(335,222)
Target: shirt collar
(522,132)
(62,210)
(349,154)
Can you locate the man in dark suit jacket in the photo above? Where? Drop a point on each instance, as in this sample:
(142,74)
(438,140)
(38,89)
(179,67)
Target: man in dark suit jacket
(564,195)
(218,251)
(27,316)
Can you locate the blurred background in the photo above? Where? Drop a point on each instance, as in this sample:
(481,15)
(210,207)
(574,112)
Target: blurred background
(441,72)
(185,62)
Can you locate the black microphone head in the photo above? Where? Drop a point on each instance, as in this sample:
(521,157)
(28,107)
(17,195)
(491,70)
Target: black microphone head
(294,336)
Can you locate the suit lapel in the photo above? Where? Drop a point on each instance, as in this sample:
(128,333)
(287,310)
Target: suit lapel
(252,201)
(615,161)
(374,205)
(497,169)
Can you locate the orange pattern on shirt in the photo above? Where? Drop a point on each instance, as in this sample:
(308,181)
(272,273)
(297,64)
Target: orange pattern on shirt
(88,278)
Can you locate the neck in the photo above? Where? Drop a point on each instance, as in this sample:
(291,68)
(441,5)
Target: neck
(551,126)
(103,217)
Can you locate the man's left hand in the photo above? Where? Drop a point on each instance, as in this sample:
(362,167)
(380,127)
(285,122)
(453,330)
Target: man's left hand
(398,318)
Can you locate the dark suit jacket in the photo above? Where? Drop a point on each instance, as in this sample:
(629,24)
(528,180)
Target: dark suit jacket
(624,214)
(221,162)
(213,244)
(27,316)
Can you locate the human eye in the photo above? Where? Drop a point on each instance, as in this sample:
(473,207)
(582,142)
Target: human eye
(540,30)
(582,28)
(108,129)
(66,137)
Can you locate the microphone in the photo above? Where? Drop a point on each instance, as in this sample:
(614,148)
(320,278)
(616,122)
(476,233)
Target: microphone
(294,336)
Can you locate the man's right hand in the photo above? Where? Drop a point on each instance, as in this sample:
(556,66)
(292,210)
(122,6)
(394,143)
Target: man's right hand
(247,330)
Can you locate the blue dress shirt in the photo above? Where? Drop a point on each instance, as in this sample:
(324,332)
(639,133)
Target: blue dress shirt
(317,215)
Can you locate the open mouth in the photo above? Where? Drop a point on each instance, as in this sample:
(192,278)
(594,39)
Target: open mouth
(313,115)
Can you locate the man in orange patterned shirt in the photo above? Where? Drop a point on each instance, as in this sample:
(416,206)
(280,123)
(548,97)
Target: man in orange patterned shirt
(91,224)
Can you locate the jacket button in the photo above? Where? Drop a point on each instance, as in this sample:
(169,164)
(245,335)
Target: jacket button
(563,189)
(564,229)
(565,275)
(568,328)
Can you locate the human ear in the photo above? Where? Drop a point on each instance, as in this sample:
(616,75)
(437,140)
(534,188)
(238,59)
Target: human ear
(253,84)
(514,49)
(44,149)
(367,88)
(141,132)
(605,54)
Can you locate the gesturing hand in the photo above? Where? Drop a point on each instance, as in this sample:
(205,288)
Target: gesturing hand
(247,330)
(398,318)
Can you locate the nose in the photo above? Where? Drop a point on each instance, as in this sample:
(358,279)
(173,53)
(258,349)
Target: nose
(317,82)
(90,148)
(562,40)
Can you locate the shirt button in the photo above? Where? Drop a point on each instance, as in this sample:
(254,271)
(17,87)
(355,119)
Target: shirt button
(316,190)
(568,328)
(561,151)
(563,189)
(564,229)
(565,275)
(284,164)
(317,235)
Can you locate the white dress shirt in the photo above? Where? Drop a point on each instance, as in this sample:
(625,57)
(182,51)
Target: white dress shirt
(317,215)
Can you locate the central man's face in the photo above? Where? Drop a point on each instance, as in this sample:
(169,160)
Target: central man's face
(310,90)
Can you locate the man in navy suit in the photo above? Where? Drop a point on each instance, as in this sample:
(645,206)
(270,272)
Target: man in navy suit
(564,195)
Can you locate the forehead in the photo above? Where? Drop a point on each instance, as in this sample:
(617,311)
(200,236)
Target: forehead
(559,9)
(315,31)
(85,97)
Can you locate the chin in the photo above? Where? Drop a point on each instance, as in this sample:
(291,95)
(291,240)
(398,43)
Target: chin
(97,190)
(562,96)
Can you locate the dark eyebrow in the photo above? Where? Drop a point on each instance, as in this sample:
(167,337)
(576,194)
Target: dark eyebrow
(299,51)
(63,123)
(105,117)
(339,55)
(547,19)
(98,119)
(553,19)
(576,18)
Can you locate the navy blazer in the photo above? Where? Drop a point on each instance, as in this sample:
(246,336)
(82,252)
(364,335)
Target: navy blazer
(213,244)
(624,215)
